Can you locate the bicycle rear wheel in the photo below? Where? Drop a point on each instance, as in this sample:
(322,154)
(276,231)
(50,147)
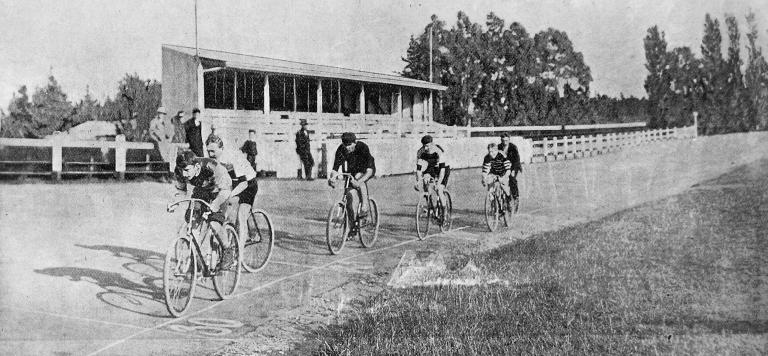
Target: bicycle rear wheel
(179,276)
(336,228)
(226,268)
(447,213)
(370,231)
(423,213)
(491,211)
(258,245)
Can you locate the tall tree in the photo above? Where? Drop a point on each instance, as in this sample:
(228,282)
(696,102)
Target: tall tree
(18,122)
(756,78)
(713,82)
(658,81)
(50,109)
(88,109)
(137,98)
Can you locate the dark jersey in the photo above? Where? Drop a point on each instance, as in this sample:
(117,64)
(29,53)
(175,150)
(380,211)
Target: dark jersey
(434,161)
(213,177)
(513,155)
(358,161)
(497,165)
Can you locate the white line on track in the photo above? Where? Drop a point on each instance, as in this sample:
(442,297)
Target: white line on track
(74,317)
(255,289)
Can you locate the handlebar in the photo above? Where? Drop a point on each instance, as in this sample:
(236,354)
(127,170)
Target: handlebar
(172,206)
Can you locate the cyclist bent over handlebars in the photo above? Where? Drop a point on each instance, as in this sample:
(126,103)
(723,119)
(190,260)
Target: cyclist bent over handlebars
(355,158)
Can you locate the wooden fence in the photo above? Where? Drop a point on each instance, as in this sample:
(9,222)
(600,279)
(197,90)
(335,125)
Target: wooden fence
(113,161)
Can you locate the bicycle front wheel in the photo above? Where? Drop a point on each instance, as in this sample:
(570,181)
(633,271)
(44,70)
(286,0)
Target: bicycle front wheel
(179,276)
(491,212)
(258,245)
(423,212)
(336,228)
(369,232)
(226,268)
(447,213)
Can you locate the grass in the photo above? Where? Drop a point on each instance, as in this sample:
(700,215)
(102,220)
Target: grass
(683,275)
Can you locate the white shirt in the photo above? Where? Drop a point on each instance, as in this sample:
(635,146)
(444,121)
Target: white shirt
(235,160)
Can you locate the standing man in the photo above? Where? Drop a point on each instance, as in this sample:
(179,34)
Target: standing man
(160,133)
(302,148)
(193,133)
(249,148)
(509,150)
(179,134)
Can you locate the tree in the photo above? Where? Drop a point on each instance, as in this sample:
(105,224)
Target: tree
(658,81)
(50,109)
(756,78)
(18,122)
(137,98)
(88,109)
(713,92)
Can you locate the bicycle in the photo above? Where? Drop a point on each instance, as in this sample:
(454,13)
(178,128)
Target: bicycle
(498,205)
(258,245)
(184,260)
(430,208)
(336,230)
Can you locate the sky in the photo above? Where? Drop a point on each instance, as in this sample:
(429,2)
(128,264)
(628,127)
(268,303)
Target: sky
(94,43)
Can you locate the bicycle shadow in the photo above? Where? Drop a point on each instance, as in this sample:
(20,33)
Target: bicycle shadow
(306,244)
(117,291)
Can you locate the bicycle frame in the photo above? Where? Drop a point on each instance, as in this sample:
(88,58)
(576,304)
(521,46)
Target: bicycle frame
(190,231)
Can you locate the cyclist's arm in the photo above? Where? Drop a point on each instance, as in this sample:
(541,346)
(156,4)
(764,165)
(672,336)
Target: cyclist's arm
(441,166)
(223,184)
(338,160)
(240,185)
(486,168)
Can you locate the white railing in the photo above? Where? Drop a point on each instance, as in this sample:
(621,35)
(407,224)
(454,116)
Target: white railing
(57,143)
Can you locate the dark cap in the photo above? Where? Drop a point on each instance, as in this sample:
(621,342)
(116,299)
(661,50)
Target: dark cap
(303,122)
(195,110)
(348,138)
(426,139)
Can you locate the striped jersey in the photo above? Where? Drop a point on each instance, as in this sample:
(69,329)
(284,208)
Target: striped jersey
(432,162)
(497,165)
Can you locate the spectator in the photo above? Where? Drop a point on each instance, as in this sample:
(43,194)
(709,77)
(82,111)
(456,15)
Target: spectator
(179,134)
(250,150)
(160,133)
(193,133)
(303,150)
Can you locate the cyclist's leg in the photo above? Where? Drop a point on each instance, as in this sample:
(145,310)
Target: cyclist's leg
(247,197)
(353,199)
(363,192)
(504,182)
(513,186)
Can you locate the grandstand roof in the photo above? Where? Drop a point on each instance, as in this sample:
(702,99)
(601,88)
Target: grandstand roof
(213,58)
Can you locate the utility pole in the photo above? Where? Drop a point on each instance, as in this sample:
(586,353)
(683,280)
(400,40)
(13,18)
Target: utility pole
(197,53)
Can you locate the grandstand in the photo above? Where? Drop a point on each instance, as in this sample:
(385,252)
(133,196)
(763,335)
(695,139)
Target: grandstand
(238,92)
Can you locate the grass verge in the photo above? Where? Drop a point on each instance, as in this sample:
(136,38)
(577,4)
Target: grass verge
(683,275)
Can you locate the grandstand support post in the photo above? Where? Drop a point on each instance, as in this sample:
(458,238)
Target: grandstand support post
(362,99)
(56,162)
(319,96)
(399,111)
(266,94)
(120,152)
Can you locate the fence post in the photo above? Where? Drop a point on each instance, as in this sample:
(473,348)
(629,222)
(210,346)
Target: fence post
(56,159)
(120,153)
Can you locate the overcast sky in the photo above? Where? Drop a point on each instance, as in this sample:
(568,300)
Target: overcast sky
(95,42)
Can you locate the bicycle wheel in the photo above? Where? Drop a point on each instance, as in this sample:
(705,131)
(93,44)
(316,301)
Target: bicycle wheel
(336,228)
(369,232)
(447,213)
(179,276)
(258,245)
(226,268)
(491,211)
(423,212)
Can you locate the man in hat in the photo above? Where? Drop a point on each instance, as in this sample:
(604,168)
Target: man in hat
(303,150)
(161,132)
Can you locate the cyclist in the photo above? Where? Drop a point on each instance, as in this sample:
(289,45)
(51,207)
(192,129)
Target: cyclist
(210,183)
(496,165)
(355,158)
(430,163)
(243,178)
(509,150)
